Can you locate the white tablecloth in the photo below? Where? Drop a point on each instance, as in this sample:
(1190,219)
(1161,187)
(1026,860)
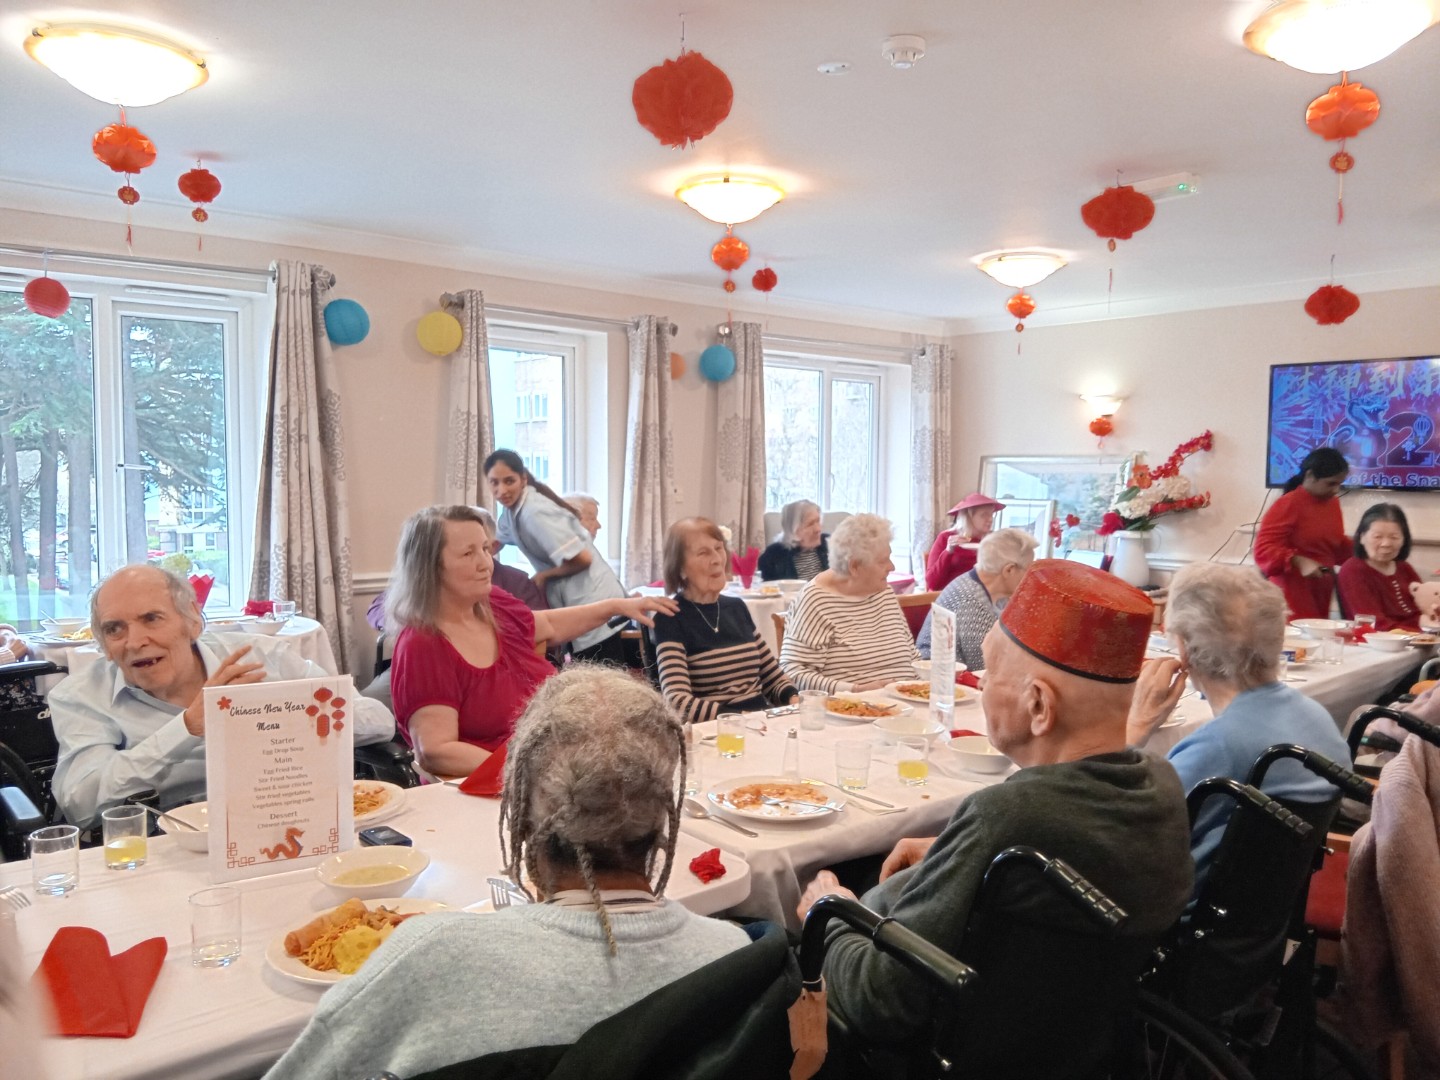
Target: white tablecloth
(236,1021)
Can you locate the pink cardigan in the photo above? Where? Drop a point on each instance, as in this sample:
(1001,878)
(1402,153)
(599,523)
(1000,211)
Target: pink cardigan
(1391,936)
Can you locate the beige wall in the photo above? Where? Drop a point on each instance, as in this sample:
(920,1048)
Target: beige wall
(1179,374)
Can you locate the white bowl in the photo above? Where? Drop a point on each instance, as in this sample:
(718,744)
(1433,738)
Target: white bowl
(1322,628)
(915,724)
(787,586)
(64,626)
(922,670)
(268,627)
(408,862)
(197,814)
(976,754)
(1388,642)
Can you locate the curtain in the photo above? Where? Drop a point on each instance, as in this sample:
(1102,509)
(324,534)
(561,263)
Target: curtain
(649,462)
(470,424)
(930,448)
(302,517)
(740,442)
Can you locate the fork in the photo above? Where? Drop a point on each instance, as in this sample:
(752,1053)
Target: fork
(12,895)
(504,893)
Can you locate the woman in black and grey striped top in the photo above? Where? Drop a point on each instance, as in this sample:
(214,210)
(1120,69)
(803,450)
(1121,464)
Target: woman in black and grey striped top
(711,657)
(845,630)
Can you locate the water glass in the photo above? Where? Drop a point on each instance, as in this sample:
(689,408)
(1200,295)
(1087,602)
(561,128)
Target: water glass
(1330,650)
(1364,623)
(124,829)
(812,709)
(215,926)
(852,764)
(55,859)
(912,760)
(282,610)
(730,735)
(693,781)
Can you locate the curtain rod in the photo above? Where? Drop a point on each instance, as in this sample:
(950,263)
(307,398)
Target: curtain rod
(907,351)
(133,261)
(447,299)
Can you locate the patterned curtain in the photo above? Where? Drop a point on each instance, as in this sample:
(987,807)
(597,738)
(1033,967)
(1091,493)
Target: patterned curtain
(470,424)
(649,464)
(740,442)
(930,448)
(302,520)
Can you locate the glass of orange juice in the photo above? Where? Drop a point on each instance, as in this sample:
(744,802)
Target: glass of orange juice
(124,829)
(912,760)
(730,735)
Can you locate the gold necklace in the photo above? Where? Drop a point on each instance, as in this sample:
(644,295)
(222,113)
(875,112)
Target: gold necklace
(716,627)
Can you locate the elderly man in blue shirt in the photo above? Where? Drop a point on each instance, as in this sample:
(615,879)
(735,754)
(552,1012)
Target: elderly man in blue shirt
(136,720)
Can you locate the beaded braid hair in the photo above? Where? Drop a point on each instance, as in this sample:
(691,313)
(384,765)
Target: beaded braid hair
(594,779)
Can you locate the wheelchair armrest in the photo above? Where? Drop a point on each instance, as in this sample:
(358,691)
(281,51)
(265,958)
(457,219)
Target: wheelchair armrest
(393,752)
(26,669)
(909,948)
(19,817)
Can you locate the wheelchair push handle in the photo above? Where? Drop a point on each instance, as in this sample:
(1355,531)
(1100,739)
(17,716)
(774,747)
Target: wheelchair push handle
(1409,721)
(1244,793)
(1064,879)
(909,948)
(1350,784)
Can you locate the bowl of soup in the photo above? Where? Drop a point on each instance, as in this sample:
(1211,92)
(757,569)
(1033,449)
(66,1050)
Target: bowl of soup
(369,873)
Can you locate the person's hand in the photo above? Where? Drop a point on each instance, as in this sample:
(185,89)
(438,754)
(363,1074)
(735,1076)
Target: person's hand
(540,579)
(231,672)
(1308,567)
(825,884)
(955,540)
(11,639)
(639,608)
(907,852)
(873,684)
(1157,691)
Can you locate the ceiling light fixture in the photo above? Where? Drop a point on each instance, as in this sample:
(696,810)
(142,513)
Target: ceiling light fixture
(729,200)
(1103,404)
(1020,269)
(119,67)
(1330,36)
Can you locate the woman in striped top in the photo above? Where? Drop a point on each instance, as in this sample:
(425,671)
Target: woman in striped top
(711,657)
(845,630)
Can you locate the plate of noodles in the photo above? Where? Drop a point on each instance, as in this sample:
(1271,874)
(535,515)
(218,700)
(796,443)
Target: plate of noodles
(336,943)
(744,797)
(862,708)
(375,801)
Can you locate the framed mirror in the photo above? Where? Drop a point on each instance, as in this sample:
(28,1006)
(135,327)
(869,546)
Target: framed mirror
(1057,488)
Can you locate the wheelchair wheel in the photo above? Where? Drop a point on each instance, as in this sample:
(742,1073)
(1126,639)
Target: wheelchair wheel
(1167,1044)
(1337,1059)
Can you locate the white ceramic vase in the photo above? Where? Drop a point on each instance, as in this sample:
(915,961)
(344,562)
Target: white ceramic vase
(1129,564)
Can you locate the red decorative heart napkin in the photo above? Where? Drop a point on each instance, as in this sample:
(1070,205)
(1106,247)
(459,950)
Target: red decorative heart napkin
(260,608)
(95,993)
(202,586)
(967,678)
(745,565)
(486,779)
(707,865)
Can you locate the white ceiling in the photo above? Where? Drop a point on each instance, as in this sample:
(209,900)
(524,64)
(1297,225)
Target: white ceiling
(504,130)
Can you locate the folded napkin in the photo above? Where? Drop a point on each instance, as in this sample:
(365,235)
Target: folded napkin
(961,733)
(202,584)
(1358,635)
(707,865)
(260,607)
(485,780)
(93,992)
(745,565)
(967,678)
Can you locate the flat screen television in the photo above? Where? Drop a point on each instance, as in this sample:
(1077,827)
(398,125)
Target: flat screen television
(1382,415)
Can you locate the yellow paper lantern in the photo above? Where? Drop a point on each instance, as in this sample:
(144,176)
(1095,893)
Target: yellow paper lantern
(439,333)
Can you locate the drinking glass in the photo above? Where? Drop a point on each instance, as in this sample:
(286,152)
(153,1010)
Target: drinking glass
(852,764)
(1331,650)
(124,829)
(730,735)
(55,859)
(912,760)
(812,709)
(1364,623)
(283,610)
(693,781)
(215,926)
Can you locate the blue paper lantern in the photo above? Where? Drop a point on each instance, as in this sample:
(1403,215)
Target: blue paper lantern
(346,322)
(717,363)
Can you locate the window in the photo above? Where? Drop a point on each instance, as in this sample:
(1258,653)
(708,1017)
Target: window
(822,433)
(127,433)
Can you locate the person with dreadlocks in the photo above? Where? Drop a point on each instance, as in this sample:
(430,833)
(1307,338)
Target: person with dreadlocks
(588,821)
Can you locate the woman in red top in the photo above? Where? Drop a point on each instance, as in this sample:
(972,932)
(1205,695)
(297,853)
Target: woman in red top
(970,522)
(465,663)
(1377,580)
(1302,537)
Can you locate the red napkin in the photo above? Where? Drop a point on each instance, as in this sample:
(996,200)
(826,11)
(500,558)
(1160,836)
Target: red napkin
(707,866)
(202,586)
(260,607)
(967,678)
(485,780)
(95,993)
(745,565)
(961,733)
(1359,635)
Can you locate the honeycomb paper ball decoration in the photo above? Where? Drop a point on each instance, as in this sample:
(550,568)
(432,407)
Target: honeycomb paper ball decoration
(439,333)
(717,363)
(46,296)
(346,322)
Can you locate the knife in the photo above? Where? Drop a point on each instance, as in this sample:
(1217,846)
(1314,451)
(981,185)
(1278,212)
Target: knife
(854,795)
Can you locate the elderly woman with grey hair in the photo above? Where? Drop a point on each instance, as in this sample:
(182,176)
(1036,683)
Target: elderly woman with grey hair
(977,596)
(800,551)
(1228,626)
(588,821)
(845,630)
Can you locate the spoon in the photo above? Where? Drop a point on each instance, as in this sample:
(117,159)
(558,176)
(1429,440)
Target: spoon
(695,810)
(171,819)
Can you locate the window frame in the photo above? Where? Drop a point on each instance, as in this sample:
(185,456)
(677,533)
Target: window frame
(571,347)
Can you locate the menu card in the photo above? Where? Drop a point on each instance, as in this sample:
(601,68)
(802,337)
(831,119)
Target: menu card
(279,763)
(942,664)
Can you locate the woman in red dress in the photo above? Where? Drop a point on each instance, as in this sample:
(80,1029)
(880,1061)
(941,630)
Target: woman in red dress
(1377,580)
(954,550)
(1302,537)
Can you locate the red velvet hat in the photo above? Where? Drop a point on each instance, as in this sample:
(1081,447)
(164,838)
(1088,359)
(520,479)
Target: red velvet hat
(973,500)
(1080,620)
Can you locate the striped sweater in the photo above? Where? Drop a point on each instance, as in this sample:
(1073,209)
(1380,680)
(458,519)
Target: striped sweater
(834,642)
(712,660)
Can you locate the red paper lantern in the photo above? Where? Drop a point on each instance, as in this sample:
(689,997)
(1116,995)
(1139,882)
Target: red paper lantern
(199,185)
(46,296)
(1020,305)
(1330,305)
(124,148)
(730,253)
(128,195)
(1118,213)
(764,279)
(1343,111)
(1101,426)
(682,100)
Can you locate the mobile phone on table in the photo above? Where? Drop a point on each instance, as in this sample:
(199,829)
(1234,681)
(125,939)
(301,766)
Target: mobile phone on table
(382,835)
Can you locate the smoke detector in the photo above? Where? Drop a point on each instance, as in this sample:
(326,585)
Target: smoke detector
(903,50)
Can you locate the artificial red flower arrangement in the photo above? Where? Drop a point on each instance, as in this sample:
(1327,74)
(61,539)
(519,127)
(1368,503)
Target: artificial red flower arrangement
(1152,493)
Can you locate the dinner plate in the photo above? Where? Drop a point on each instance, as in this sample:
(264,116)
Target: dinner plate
(229,622)
(963,695)
(292,968)
(55,642)
(889,704)
(773,815)
(922,699)
(393,804)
